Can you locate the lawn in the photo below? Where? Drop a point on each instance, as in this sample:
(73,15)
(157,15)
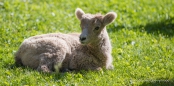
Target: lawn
(142,37)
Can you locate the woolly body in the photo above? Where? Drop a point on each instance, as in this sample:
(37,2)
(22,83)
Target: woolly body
(48,52)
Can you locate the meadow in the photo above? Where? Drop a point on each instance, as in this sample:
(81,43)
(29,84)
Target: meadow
(142,37)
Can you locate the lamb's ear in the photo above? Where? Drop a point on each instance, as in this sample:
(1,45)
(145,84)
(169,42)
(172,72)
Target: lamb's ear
(109,18)
(79,12)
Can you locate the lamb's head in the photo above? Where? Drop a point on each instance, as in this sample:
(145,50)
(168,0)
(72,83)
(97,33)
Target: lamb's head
(93,25)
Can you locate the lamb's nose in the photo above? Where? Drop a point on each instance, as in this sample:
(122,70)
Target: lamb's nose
(82,38)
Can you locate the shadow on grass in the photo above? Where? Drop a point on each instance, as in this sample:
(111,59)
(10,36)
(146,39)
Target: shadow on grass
(158,82)
(164,27)
(23,69)
(55,75)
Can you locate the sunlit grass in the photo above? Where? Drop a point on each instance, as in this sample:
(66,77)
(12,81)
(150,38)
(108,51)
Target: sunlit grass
(142,40)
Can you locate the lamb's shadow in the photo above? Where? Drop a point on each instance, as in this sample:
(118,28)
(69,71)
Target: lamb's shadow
(164,27)
(158,82)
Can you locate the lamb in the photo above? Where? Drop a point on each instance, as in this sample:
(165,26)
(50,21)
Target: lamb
(90,50)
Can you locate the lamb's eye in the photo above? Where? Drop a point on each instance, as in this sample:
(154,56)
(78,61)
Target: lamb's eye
(96,28)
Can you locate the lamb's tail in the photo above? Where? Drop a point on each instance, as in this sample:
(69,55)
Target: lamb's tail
(18,61)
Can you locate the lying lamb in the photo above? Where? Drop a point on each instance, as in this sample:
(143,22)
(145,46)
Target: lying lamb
(50,52)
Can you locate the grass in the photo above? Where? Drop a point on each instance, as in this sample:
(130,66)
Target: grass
(142,38)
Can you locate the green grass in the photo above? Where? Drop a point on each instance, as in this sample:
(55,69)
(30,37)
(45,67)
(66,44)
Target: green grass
(142,38)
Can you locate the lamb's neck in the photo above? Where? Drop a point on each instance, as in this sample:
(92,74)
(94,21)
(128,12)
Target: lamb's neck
(103,44)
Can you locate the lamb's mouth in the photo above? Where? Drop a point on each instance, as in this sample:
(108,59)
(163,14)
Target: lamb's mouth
(83,42)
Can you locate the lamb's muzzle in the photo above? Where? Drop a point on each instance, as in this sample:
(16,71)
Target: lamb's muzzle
(82,39)
(83,36)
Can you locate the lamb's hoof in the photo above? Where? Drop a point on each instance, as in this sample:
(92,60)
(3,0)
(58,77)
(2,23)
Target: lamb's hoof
(99,69)
(44,69)
(110,67)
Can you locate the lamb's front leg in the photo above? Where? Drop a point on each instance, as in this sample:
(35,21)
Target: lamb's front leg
(109,62)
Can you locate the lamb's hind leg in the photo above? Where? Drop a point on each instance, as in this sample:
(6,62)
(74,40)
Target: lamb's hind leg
(49,61)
